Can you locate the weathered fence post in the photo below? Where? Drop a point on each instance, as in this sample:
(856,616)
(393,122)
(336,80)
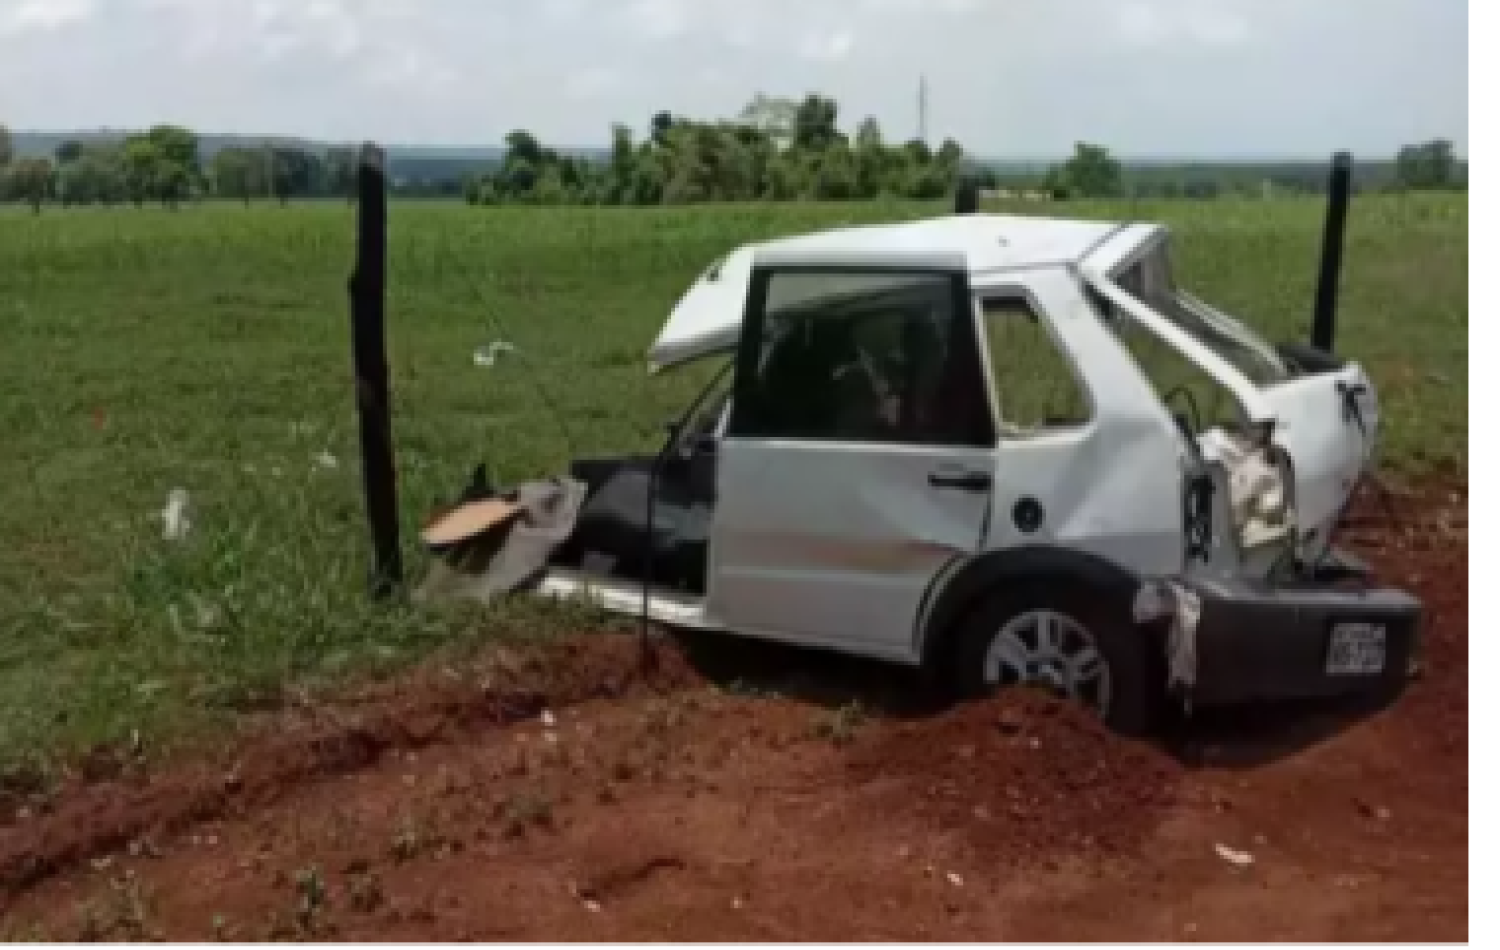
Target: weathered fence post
(1330,267)
(966,201)
(372,373)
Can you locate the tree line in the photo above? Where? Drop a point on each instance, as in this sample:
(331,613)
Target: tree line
(775,149)
(164,165)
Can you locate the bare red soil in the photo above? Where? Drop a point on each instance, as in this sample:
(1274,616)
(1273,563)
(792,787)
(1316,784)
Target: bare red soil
(558,794)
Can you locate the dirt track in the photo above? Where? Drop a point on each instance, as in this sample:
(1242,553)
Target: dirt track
(590,806)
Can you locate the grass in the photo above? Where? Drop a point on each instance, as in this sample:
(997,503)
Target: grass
(212,345)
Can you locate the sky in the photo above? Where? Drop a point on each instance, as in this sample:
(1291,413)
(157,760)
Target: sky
(1007,78)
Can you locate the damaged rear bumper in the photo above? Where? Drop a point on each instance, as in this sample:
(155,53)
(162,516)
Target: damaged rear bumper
(1237,641)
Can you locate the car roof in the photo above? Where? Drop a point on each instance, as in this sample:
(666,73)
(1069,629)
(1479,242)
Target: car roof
(707,319)
(979,242)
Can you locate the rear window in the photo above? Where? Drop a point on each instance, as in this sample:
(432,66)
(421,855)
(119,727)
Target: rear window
(1181,384)
(1150,281)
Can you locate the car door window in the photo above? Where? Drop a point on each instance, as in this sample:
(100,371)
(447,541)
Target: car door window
(876,357)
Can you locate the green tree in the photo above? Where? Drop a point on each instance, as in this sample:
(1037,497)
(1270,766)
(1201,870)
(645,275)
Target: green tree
(1427,166)
(872,159)
(661,125)
(74,184)
(1091,173)
(837,175)
(815,125)
(30,180)
(550,189)
(950,155)
(68,152)
(621,163)
(294,173)
(524,146)
(141,162)
(869,137)
(161,165)
(177,145)
(237,173)
(648,177)
(7,146)
(341,171)
(176,165)
(97,175)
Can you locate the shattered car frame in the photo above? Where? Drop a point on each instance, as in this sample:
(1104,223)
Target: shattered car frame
(880,469)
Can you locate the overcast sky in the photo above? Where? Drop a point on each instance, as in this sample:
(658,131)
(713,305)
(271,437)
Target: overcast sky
(1007,77)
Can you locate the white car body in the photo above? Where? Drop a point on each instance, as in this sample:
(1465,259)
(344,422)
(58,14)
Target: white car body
(841,546)
(868,547)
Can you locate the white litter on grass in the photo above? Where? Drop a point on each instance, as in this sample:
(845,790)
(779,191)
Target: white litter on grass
(328,460)
(175,521)
(485,357)
(204,611)
(1240,859)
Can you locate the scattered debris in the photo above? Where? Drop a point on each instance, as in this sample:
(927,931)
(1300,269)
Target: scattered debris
(485,357)
(175,521)
(1240,859)
(327,459)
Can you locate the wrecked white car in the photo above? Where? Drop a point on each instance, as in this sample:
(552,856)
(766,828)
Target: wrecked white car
(958,443)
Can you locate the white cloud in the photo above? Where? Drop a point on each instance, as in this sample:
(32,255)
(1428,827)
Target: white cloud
(922,7)
(1198,22)
(593,82)
(1021,77)
(658,19)
(27,16)
(830,47)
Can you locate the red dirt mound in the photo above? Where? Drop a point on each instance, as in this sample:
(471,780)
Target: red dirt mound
(1026,777)
(98,816)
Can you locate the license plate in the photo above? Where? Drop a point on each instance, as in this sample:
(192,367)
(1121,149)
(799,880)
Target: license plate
(1356,649)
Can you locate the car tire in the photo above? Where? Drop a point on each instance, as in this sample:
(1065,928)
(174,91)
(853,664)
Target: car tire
(1133,699)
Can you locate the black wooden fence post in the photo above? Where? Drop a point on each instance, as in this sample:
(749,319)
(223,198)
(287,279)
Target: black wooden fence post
(1330,267)
(966,200)
(372,374)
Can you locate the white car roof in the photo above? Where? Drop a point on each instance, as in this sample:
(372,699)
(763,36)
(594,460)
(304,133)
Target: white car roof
(707,319)
(977,242)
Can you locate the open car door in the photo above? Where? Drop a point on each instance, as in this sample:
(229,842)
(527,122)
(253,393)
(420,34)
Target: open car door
(859,457)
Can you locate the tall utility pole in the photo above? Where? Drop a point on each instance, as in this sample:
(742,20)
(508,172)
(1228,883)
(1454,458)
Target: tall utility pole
(922,108)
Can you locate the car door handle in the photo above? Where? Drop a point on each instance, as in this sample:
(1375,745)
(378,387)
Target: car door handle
(960,480)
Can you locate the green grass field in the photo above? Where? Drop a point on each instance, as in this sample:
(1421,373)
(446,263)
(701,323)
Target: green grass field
(214,344)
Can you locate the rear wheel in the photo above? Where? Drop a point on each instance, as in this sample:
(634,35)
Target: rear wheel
(1071,646)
